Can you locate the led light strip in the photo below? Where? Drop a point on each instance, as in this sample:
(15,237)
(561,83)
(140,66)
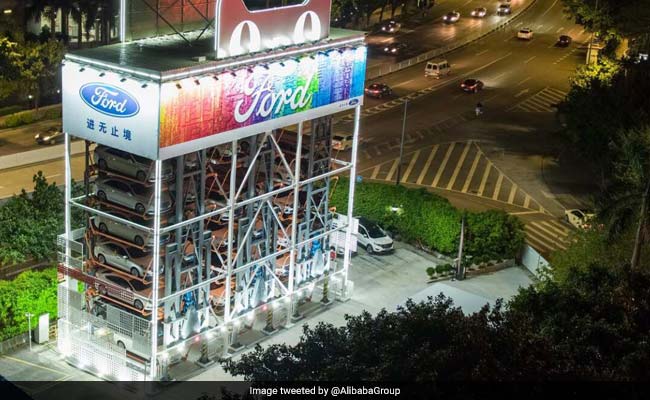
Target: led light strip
(211,69)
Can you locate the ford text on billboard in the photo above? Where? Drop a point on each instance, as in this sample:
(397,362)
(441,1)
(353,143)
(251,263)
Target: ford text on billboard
(103,107)
(196,109)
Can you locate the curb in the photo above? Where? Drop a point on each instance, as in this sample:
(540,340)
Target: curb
(370,74)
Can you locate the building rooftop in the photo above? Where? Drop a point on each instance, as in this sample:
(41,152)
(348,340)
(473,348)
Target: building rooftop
(171,57)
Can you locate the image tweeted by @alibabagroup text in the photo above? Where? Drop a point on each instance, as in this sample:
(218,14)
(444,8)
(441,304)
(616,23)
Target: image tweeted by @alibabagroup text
(323,391)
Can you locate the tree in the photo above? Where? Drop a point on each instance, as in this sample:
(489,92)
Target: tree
(627,201)
(37,64)
(594,325)
(9,74)
(612,18)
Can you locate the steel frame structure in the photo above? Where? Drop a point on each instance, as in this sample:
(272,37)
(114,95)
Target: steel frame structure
(204,294)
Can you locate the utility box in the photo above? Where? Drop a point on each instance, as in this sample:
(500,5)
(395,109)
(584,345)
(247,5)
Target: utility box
(42,331)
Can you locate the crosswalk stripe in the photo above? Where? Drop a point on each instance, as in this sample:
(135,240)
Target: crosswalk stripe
(468,180)
(513,192)
(427,164)
(497,187)
(561,231)
(393,168)
(486,173)
(411,165)
(527,201)
(375,172)
(442,167)
(459,165)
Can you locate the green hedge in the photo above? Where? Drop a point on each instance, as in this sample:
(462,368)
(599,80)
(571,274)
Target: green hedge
(31,292)
(30,116)
(431,220)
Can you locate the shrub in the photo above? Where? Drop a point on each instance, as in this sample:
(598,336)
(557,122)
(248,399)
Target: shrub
(31,116)
(431,220)
(431,271)
(440,269)
(32,291)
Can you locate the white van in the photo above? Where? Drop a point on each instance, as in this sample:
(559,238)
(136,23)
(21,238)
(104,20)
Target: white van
(437,68)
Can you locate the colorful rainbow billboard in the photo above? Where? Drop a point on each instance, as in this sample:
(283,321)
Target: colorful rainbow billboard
(194,109)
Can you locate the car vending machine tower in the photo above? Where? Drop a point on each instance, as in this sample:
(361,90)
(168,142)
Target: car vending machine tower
(203,220)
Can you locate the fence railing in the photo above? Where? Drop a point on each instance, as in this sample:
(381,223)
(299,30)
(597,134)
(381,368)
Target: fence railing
(381,70)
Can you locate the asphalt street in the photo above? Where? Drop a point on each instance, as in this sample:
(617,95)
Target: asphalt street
(506,158)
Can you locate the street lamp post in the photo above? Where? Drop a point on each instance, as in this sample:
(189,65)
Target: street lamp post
(401,146)
(29,323)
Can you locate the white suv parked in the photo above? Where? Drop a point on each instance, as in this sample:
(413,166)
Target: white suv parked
(373,238)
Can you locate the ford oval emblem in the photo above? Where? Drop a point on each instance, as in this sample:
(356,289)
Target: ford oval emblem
(109,100)
(354,102)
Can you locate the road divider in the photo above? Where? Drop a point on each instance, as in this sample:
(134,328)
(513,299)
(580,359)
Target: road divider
(382,70)
(37,156)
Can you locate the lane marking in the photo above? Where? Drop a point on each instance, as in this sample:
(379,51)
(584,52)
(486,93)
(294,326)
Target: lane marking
(18,360)
(513,193)
(375,172)
(482,52)
(459,165)
(549,9)
(411,165)
(559,29)
(524,213)
(52,176)
(393,168)
(486,173)
(530,59)
(442,166)
(524,81)
(552,235)
(527,201)
(543,245)
(497,188)
(427,164)
(563,232)
(468,180)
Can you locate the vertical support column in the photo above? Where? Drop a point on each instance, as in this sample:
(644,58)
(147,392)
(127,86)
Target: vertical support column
(122,21)
(156,269)
(353,177)
(294,222)
(68,233)
(234,342)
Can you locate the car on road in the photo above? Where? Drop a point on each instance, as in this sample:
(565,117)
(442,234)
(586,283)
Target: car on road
(451,17)
(395,49)
(479,12)
(128,232)
(378,90)
(131,291)
(525,34)
(129,260)
(579,218)
(127,164)
(52,135)
(504,9)
(564,41)
(342,142)
(390,26)
(130,195)
(373,238)
(437,68)
(471,85)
